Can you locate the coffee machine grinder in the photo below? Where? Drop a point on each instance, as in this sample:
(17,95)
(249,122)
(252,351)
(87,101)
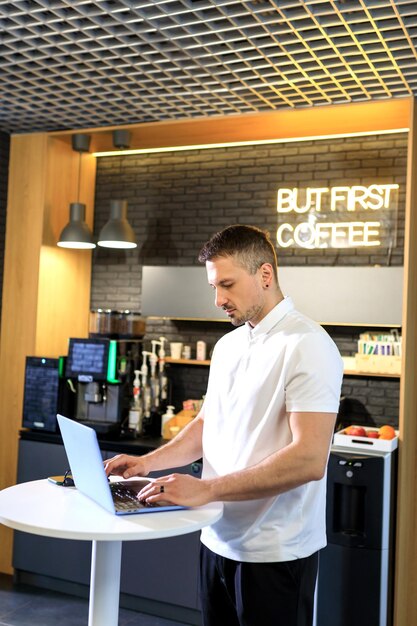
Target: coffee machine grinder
(95,393)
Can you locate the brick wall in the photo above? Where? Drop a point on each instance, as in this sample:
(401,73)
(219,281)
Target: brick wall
(4,171)
(178,200)
(375,401)
(376,398)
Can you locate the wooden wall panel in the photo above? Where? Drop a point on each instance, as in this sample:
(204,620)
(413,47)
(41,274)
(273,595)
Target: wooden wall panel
(24,227)
(46,290)
(283,124)
(406,556)
(65,275)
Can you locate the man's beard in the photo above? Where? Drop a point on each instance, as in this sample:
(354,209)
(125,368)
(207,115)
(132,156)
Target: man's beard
(246,316)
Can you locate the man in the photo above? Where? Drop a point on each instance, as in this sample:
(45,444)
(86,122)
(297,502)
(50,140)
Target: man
(264,433)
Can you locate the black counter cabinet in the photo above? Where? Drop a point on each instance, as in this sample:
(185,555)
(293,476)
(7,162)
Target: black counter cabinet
(159,576)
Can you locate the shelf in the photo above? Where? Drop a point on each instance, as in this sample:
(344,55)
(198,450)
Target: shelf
(170,318)
(350,370)
(168,359)
(370,374)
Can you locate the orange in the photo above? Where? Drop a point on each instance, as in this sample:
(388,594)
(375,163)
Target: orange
(386,432)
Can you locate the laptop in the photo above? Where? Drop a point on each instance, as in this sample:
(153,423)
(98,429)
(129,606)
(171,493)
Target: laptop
(90,478)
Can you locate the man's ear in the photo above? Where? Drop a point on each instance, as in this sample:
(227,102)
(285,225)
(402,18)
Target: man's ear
(267,274)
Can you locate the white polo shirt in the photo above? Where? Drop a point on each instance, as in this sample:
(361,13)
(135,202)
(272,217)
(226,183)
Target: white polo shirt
(257,377)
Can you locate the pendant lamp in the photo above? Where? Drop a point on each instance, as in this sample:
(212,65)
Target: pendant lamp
(117,232)
(77,234)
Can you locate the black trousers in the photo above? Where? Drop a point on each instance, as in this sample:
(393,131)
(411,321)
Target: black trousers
(256,594)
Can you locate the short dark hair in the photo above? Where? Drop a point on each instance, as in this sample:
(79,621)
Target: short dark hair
(252,247)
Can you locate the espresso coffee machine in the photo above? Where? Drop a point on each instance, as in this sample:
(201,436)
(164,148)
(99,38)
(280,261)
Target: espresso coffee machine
(97,389)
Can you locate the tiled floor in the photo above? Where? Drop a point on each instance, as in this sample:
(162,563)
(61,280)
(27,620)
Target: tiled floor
(23,605)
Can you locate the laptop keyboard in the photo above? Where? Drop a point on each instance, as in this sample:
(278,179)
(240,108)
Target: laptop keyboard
(126,499)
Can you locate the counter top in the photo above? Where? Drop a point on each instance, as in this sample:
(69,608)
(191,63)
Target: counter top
(140,445)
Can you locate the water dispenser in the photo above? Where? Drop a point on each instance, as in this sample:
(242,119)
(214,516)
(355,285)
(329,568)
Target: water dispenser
(355,581)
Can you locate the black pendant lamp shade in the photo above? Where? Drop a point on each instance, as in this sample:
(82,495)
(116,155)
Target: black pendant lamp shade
(117,232)
(76,233)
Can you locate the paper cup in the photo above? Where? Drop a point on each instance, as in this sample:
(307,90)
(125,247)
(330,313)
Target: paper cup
(176,349)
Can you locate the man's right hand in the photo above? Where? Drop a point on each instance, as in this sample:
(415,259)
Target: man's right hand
(126,466)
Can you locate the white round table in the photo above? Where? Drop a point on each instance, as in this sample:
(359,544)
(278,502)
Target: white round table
(42,508)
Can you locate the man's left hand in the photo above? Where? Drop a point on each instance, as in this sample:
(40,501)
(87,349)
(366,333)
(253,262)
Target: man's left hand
(179,489)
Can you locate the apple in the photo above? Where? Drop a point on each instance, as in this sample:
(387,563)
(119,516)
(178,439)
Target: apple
(373,434)
(355,431)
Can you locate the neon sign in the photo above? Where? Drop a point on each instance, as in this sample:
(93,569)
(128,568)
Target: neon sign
(337,217)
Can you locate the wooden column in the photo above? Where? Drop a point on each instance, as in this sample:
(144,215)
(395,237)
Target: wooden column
(46,289)
(406,556)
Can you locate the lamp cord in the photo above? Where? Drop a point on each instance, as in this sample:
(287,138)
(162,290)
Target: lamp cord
(79,176)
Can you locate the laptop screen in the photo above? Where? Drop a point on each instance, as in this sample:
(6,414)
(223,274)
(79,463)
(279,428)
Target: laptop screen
(86,463)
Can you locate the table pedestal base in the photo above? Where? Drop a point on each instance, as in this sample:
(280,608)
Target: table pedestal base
(106,558)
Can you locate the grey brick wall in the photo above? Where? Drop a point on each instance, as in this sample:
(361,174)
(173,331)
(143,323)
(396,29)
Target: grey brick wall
(178,200)
(4,172)
(376,399)
(379,397)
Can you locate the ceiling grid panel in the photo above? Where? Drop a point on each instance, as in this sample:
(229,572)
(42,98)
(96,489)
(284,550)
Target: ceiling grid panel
(69,64)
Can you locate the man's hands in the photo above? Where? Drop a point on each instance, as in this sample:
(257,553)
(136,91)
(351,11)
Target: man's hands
(126,466)
(180,489)
(174,488)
